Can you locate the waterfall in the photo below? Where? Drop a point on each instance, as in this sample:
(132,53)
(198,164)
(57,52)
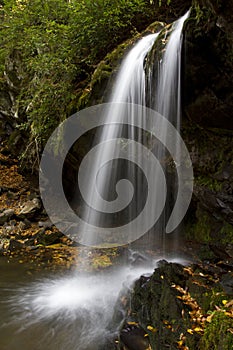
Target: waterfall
(130,88)
(112,186)
(164,95)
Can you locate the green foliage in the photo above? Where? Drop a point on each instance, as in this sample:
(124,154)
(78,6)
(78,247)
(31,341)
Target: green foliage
(160,2)
(210,183)
(203,15)
(94,23)
(227,233)
(53,47)
(200,230)
(217,334)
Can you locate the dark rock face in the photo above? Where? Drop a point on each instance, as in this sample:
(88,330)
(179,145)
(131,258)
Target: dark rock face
(208,114)
(161,305)
(6,215)
(173,304)
(134,337)
(209,66)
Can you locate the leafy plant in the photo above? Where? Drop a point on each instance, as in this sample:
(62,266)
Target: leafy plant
(50,47)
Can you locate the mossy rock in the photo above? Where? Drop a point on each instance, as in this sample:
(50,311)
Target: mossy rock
(102,79)
(155,303)
(218,333)
(174,303)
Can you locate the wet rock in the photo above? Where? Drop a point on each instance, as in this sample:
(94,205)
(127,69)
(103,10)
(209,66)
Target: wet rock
(220,251)
(47,238)
(169,302)
(13,222)
(30,208)
(6,215)
(208,68)
(27,223)
(227,283)
(138,259)
(12,195)
(45,224)
(15,245)
(8,230)
(161,304)
(229,249)
(207,123)
(134,337)
(219,205)
(4,243)
(3,189)
(22,225)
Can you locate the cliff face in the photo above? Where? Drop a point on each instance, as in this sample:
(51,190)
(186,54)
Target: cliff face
(208,95)
(207,122)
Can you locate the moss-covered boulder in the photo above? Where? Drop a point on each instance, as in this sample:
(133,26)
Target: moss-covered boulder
(100,86)
(180,307)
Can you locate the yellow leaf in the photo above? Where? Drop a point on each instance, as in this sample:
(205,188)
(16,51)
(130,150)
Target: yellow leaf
(149,328)
(209,318)
(149,348)
(230,303)
(152,329)
(132,323)
(224,302)
(198,329)
(190,331)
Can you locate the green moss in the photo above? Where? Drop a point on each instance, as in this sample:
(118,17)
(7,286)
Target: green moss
(210,183)
(94,93)
(217,334)
(209,299)
(201,230)
(227,233)
(207,230)
(96,89)
(202,14)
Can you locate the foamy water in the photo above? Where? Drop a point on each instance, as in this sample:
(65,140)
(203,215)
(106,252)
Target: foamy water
(75,312)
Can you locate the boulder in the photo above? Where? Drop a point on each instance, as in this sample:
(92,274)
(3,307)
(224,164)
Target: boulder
(173,304)
(30,208)
(6,215)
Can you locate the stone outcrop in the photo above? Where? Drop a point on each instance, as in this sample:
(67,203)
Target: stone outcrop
(175,307)
(207,117)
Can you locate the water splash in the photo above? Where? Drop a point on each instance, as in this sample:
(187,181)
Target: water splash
(76,312)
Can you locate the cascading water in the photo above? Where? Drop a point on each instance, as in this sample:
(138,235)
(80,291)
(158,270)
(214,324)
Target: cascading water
(164,95)
(158,89)
(130,88)
(75,312)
